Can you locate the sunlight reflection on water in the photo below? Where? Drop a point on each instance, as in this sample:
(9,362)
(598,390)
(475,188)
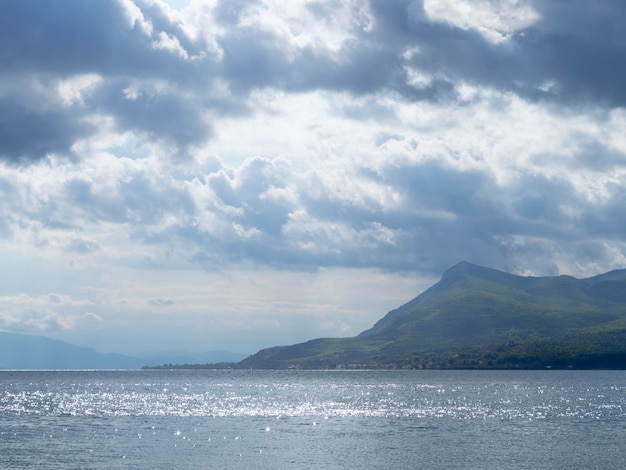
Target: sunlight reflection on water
(287,419)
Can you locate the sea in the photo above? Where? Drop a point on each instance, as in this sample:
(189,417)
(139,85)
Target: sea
(244,419)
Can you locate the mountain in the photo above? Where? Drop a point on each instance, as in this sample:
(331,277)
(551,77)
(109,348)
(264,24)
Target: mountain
(19,351)
(38,352)
(180,357)
(477,317)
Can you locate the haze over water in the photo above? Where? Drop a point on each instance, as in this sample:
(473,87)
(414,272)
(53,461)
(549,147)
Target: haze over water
(312,419)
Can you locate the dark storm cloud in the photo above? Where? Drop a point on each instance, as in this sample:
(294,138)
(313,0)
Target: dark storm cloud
(446,52)
(445,215)
(608,220)
(596,157)
(449,215)
(572,54)
(253,58)
(593,157)
(76,36)
(580,45)
(29,133)
(371,62)
(546,61)
(161,115)
(48,41)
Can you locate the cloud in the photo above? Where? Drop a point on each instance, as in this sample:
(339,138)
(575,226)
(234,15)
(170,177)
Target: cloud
(162,302)
(577,46)
(52,312)
(46,42)
(399,215)
(399,137)
(161,79)
(494,20)
(230,12)
(162,114)
(30,134)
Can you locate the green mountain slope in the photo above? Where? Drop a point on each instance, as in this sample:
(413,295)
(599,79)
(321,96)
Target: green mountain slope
(481,317)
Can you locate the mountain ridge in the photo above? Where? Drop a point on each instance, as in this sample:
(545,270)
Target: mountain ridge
(20,351)
(474,310)
(23,351)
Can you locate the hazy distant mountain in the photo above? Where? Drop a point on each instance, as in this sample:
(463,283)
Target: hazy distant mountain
(185,357)
(19,351)
(38,352)
(481,317)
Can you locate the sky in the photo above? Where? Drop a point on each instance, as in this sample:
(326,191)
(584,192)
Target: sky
(239,174)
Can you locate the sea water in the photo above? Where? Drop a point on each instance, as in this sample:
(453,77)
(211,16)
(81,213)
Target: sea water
(312,419)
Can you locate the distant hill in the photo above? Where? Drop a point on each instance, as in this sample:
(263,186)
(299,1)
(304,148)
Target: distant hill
(477,317)
(38,352)
(18,351)
(182,358)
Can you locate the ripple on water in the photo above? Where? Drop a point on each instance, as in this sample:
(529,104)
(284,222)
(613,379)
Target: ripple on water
(313,395)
